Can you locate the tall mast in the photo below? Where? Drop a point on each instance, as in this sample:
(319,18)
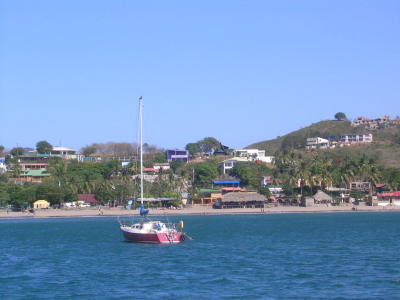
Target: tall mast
(141,148)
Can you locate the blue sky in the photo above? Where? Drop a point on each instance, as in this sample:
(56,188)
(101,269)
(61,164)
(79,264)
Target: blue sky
(241,71)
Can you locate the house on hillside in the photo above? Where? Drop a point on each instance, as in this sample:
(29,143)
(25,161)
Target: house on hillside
(34,175)
(349,139)
(360,186)
(33,161)
(226,182)
(254,155)
(266,181)
(173,155)
(58,151)
(317,143)
(161,166)
(3,166)
(228,164)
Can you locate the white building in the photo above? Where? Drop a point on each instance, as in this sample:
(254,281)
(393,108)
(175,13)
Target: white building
(230,163)
(253,155)
(350,139)
(276,191)
(161,166)
(317,143)
(3,166)
(63,152)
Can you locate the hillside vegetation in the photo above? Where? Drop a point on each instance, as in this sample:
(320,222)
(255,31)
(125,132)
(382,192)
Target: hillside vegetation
(385,148)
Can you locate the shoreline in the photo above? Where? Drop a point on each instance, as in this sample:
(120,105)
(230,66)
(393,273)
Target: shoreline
(196,210)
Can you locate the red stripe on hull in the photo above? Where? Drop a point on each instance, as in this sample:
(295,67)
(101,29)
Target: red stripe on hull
(162,238)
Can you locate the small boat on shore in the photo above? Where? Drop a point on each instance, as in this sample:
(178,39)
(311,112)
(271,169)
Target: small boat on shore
(146,230)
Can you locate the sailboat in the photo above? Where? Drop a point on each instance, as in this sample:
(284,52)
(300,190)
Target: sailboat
(146,230)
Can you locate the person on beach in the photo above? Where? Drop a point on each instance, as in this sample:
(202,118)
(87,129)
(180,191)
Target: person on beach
(100,211)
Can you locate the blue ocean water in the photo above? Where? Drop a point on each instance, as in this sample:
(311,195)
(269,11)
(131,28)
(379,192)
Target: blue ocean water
(272,256)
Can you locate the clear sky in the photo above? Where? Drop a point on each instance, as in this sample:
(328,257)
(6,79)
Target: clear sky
(242,71)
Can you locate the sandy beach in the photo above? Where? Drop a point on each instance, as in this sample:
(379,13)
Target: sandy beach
(194,210)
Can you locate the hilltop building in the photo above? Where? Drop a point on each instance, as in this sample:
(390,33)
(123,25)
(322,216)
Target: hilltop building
(380,122)
(174,155)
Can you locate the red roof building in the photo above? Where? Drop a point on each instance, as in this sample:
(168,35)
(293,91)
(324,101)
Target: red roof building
(392,195)
(233,189)
(87,198)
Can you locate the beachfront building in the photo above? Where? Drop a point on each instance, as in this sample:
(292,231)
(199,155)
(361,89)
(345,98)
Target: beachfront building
(41,204)
(241,200)
(88,199)
(389,198)
(317,143)
(277,193)
(320,198)
(208,196)
(254,155)
(174,155)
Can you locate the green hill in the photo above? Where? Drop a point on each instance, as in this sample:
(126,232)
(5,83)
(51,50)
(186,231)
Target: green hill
(385,148)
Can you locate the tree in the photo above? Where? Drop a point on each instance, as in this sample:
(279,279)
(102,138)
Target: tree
(247,173)
(89,150)
(43,147)
(193,148)
(265,191)
(340,116)
(1,149)
(205,173)
(358,195)
(209,144)
(292,141)
(175,165)
(17,151)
